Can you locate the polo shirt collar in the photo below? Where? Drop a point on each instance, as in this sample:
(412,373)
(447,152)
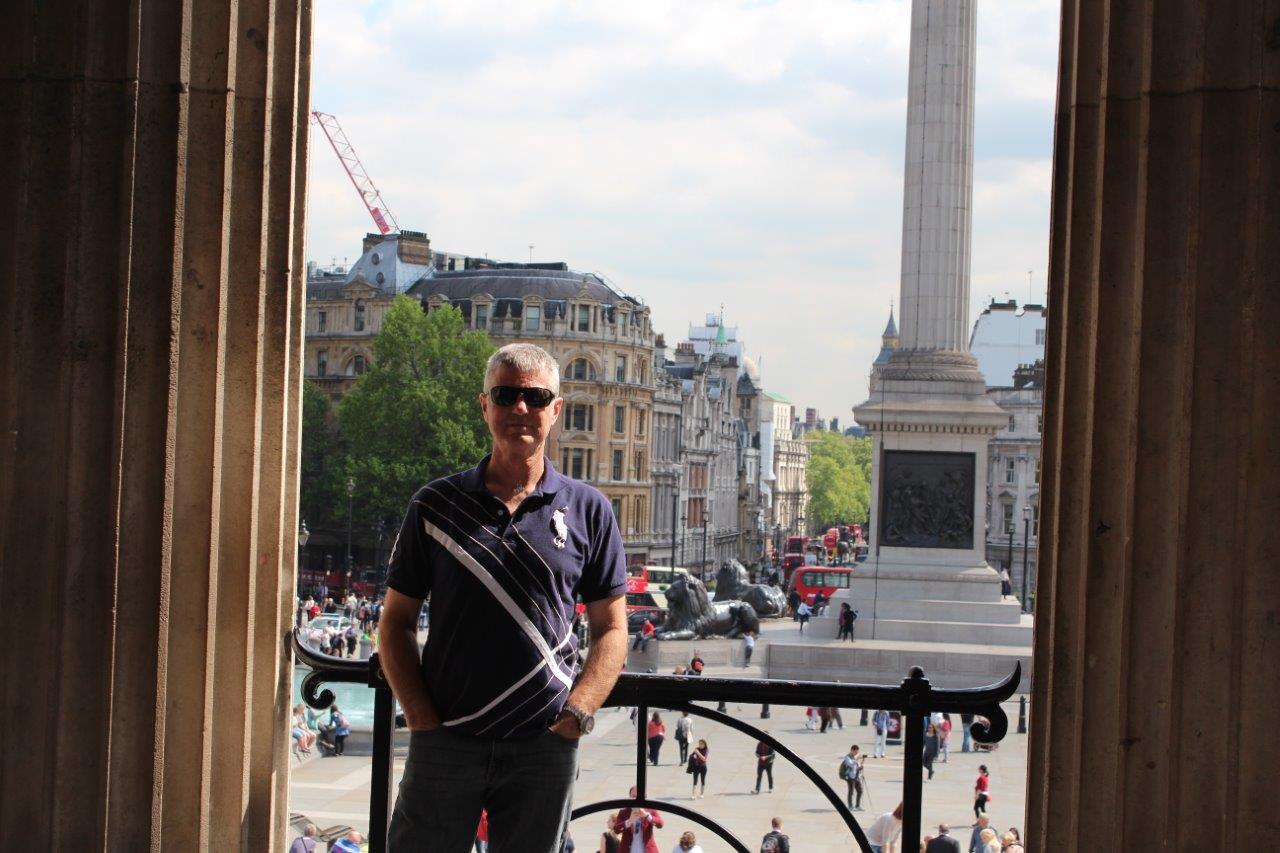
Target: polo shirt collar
(552,480)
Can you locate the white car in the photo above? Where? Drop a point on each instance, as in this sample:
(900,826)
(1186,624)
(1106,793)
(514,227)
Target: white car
(326,625)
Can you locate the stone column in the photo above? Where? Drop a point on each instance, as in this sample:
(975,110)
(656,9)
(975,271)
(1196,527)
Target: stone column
(152,190)
(938,176)
(1156,690)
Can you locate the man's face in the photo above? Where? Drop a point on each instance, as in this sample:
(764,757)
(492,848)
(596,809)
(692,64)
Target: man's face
(518,429)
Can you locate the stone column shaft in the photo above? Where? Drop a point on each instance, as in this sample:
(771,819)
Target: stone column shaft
(938,177)
(1156,686)
(153,196)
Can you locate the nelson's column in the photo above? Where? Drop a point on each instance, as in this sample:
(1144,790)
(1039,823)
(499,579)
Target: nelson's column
(926,577)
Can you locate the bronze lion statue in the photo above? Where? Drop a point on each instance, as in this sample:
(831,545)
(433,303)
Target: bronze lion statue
(732,582)
(691,614)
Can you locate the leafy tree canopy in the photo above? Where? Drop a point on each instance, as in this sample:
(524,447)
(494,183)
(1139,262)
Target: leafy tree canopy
(839,479)
(414,415)
(321,459)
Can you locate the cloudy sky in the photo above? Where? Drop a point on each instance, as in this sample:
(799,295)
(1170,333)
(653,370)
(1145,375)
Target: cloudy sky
(698,154)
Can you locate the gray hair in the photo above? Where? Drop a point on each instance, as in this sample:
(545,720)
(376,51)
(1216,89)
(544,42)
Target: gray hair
(526,358)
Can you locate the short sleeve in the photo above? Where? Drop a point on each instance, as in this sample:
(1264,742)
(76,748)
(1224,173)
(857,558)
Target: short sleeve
(409,568)
(605,574)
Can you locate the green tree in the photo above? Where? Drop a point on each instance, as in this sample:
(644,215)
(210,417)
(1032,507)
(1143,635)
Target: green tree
(322,463)
(414,415)
(839,478)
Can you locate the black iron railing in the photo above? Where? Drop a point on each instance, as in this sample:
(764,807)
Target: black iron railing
(914,698)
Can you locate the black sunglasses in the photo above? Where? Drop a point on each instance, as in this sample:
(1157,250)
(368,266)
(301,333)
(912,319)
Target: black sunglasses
(534,398)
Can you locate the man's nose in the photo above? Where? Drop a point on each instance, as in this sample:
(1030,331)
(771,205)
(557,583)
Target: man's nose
(521,407)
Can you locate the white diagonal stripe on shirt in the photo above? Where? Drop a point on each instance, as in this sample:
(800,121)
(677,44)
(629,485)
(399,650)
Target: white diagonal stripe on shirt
(501,696)
(501,595)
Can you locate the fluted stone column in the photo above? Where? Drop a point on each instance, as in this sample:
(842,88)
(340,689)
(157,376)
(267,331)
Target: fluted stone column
(152,186)
(1156,691)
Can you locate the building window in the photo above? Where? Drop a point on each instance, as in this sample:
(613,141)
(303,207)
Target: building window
(617,465)
(359,315)
(1007,508)
(1039,337)
(639,465)
(619,418)
(1035,520)
(581,417)
(577,463)
(640,422)
(322,321)
(616,503)
(358,366)
(1010,470)
(1039,423)
(532,318)
(620,369)
(584,319)
(322,362)
(1037,477)
(1013,423)
(582,369)
(482,316)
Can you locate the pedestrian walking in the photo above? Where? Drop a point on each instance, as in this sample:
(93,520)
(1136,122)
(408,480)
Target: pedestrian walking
(775,840)
(966,720)
(847,617)
(748,646)
(764,764)
(836,718)
(802,613)
(824,714)
(656,732)
(793,601)
(930,748)
(880,723)
(975,840)
(684,729)
(851,773)
(942,842)
(810,719)
(981,791)
(944,737)
(698,760)
(884,831)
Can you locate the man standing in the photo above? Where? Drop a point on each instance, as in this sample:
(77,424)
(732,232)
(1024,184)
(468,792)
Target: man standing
(943,843)
(975,841)
(495,703)
(851,773)
(880,722)
(748,646)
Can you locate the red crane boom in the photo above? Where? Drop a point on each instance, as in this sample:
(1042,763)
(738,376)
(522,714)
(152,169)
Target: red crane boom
(373,201)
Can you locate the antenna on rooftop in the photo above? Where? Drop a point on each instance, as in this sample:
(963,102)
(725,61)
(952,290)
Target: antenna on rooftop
(530,253)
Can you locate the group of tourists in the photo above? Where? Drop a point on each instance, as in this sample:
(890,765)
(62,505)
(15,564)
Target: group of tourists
(983,838)
(821,719)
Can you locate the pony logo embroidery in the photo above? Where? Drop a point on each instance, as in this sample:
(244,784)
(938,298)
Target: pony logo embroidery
(561,529)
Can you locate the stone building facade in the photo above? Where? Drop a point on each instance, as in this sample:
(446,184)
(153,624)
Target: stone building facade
(1013,476)
(786,457)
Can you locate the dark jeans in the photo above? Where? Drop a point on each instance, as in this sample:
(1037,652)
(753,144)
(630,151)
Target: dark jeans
(339,744)
(762,769)
(526,784)
(979,805)
(684,750)
(855,788)
(655,746)
(700,775)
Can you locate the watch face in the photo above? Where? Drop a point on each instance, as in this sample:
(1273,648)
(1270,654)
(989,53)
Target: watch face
(586,724)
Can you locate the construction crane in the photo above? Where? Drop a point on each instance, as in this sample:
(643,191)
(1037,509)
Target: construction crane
(373,201)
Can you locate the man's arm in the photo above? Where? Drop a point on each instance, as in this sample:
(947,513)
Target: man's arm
(608,620)
(398,651)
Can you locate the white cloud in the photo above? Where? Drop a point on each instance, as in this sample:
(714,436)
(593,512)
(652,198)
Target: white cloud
(703,153)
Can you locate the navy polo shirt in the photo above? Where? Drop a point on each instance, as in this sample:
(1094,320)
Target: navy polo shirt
(501,654)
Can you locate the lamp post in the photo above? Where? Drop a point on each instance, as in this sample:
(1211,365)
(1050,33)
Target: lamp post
(303,535)
(706,523)
(351,490)
(1011,526)
(684,531)
(1026,533)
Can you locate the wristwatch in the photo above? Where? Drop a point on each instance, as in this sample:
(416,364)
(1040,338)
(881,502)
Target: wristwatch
(586,722)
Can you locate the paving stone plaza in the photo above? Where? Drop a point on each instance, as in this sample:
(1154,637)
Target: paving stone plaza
(336,790)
